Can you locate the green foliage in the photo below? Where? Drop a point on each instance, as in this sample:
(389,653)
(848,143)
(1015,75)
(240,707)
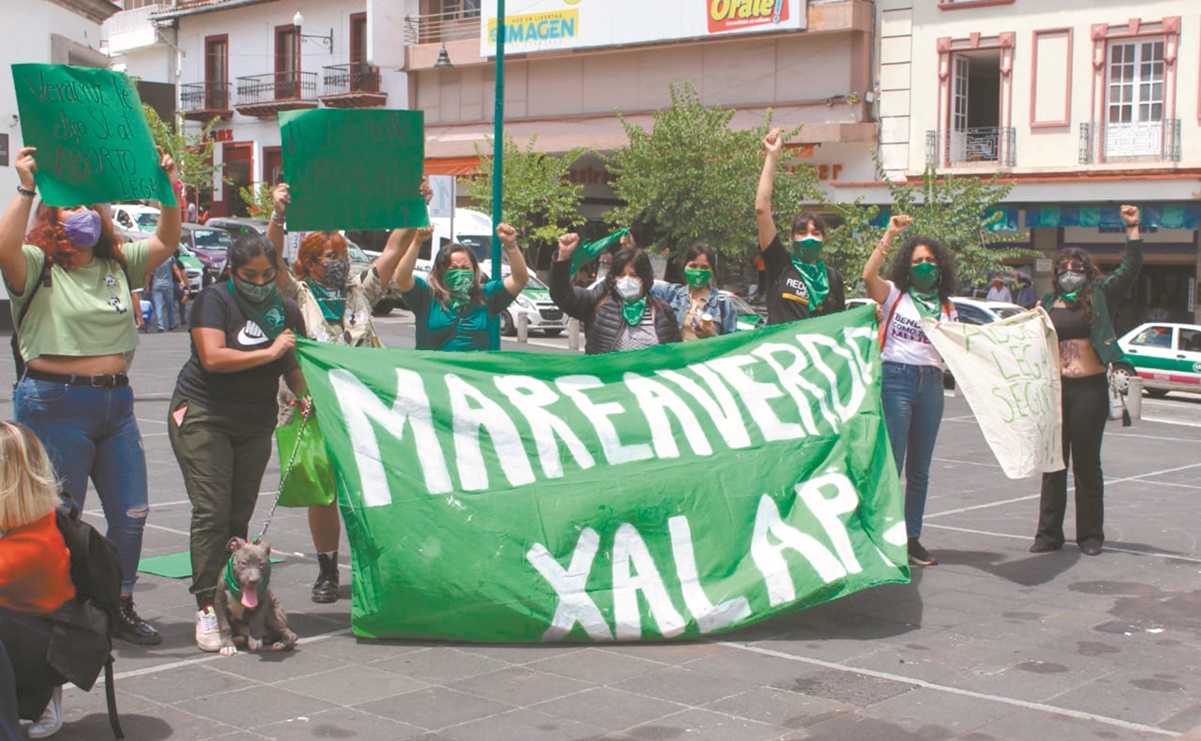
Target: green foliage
(954,210)
(257,198)
(539,200)
(192,153)
(692,178)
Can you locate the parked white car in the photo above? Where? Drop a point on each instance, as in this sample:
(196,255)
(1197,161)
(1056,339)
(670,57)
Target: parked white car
(1166,356)
(136,217)
(983,311)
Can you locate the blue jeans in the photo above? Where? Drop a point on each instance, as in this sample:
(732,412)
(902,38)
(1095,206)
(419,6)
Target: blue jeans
(163,298)
(913,402)
(91,433)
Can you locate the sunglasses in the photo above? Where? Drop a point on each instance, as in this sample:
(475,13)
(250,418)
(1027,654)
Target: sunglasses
(1074,266)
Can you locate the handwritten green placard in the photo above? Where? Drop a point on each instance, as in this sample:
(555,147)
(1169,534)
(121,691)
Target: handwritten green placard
(354,169)
(92,138)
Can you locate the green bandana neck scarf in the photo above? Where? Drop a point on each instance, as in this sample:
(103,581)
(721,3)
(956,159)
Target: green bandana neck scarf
(632,311)
(1070,297)
(269,315)
(697,277)
(926,302)
(816,279)
(458,283)
(332,301)
(235,589)
(589,252)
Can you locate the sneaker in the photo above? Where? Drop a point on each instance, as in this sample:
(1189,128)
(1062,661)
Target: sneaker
(208,630)
(52,717)
(133,628)
(919,556)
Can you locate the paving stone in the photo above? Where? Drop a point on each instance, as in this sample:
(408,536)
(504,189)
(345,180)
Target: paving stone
(253,707)
(435,708)
(525,724)
(847,687)
(201,680)
(702,725)
(340,722)
(519,686)
(683,686)
(596,666)
(439,665)
(353,685)
(609,708)
(780,708)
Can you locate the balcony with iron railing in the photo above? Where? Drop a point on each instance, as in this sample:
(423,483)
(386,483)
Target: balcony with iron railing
(438,28)
(355,85)
(263,96)
(1140,141)
(204,101)
(976,147)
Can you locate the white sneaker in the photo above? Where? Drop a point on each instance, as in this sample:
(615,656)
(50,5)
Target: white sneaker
(52,717)
(208,630)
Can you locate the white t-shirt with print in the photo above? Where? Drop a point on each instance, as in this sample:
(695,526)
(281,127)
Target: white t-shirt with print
(904,340)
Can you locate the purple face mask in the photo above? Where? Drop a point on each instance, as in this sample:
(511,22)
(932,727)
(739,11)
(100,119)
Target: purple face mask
(83,228)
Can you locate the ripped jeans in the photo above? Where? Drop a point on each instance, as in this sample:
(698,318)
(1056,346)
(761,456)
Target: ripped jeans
(92,433)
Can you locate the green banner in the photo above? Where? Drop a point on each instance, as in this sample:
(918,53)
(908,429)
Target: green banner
(354,169)
(673,492)
(93,142)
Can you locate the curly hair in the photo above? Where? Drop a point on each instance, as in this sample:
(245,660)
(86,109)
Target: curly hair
(898,271)
(47,233)
(436,282)
(1091,273)
(315,244)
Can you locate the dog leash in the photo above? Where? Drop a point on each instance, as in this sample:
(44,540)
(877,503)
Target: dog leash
(283,479)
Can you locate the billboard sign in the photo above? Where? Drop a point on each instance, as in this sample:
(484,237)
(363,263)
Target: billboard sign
(560,25)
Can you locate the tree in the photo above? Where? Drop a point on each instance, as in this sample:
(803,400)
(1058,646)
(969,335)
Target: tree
(692,178)
(539,199)
(257,198)
(957,211)
(193,153)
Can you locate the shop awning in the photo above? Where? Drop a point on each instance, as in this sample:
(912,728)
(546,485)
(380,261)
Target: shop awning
(458,166)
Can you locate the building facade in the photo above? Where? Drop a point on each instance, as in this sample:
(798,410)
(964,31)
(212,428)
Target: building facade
(570,66)
(1083,106)
(244,61)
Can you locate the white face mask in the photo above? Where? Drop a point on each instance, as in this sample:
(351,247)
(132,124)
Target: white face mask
(629,287)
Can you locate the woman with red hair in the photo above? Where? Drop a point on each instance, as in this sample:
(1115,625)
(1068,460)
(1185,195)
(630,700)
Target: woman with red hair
(337,308)
(69,283)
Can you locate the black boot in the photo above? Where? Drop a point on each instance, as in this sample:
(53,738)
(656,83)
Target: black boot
(326,587)
(131,627)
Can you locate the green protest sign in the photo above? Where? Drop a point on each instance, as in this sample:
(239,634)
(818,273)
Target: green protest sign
(665,493)
(92,138)
(354,169)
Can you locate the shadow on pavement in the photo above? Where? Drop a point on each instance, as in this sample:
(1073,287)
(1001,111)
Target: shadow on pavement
(1028,572)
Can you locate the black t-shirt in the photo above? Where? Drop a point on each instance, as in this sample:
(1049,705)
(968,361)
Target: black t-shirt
(248,394)
(787,297)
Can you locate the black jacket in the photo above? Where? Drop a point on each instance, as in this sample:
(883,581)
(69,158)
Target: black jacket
(600,310)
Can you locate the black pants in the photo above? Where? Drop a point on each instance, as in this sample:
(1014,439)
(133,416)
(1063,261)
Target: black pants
(25,639)
(1085,411)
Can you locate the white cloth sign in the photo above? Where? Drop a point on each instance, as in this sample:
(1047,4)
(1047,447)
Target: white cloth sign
(1009,372)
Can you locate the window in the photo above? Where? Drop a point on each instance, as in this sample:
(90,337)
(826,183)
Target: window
(1135,100)
(1153,337)
(1189,341)
(216,73)
(461,8)
(976,134)
(287,63)
(363,77)
(971,314)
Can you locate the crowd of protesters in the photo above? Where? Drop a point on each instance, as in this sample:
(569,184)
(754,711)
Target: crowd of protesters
(70,279)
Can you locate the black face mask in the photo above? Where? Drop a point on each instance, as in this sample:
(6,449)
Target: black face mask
(334,273)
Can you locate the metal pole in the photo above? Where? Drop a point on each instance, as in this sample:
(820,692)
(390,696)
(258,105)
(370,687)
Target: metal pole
(498,149)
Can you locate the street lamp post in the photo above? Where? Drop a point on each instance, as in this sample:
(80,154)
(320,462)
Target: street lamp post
(498,149)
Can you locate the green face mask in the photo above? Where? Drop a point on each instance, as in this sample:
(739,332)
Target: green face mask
(923,276)
(808,249)
(697,277)
(255,293)
(459,282)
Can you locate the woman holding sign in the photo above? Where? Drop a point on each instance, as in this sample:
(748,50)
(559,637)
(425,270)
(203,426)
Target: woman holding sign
(919,285)
(1079,309)
(69,281)
(454,305)
(223,411)
(619,313)
(799,284)
(336,307)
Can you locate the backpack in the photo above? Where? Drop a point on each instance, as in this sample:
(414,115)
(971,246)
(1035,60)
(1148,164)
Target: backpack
(18,360)
(81,637)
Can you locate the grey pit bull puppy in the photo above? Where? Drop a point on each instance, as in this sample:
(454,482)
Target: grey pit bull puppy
(247,612)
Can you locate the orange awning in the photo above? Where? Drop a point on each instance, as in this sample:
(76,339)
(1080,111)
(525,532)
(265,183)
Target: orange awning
(459,166)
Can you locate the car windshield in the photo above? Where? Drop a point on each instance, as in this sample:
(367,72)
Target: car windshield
(1007,311)
(356,253)
(533,282)
(742,307)
(480,245)
(147,221)
(212,239)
